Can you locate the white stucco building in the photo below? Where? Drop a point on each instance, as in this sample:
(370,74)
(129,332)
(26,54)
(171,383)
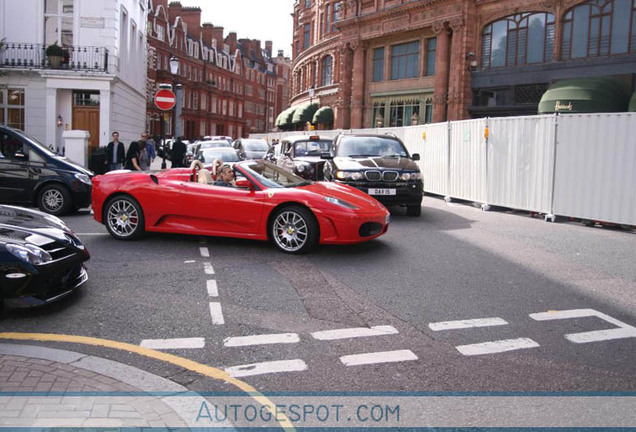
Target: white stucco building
(99,85)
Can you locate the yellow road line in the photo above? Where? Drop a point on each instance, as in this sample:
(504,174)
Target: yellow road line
(202,369)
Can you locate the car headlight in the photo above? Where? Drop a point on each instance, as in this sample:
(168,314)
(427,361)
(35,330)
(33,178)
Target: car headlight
(348,175)
(301,167)
(84,178)
(411,176)
(340,202)
(29,253)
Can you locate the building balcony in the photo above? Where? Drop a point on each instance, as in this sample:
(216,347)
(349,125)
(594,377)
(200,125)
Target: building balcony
(18,55)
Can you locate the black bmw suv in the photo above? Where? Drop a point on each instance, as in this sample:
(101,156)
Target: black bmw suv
(379,165)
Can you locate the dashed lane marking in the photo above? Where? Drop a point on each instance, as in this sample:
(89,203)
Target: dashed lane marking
(265,339)
(623,331)
(213,289)
(378,357)
(267,368)
(350,333)
(190,262)
(205,252)
(208,269)
(464,324)
(495,347)
(193,366)
(92,234)
(183,343)
(216,313)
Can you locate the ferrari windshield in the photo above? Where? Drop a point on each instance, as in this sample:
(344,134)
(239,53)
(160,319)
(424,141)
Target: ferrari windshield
(272,176)
(367,146)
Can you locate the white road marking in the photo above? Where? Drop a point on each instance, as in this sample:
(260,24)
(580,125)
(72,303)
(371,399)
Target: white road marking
(207,268)
(184,343)
(205,252)
(213,290)
(463,324)
(217,314)
(91,234)
(378,357)
(189,262)
(623,331)
(350,333)
(265,339)
(267,367)
(496,346)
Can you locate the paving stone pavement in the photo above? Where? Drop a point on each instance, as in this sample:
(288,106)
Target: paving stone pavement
(75,390)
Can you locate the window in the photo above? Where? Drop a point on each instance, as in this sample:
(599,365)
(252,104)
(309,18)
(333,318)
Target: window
(519,39)
(378,64)
(306,36)
(405,60)
(58,22)
(334,19)
(328,19)
(12,108)
(307,3)
(161,33)
(431,48)
(401,112)
(327,71)
(85,98)
(599,28)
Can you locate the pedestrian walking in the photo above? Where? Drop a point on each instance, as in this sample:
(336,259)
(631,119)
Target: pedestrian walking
(115,153)
(132,157)
(144,157)
(150,146)
(178,153)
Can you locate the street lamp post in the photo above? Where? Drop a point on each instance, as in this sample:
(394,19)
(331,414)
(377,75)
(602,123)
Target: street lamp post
(174,70)
(311,102)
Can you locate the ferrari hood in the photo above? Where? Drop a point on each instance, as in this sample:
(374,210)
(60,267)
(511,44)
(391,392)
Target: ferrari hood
(377,162)
(345,193)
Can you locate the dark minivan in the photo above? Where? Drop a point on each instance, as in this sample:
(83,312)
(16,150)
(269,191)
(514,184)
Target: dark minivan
(379,165)
(30,174)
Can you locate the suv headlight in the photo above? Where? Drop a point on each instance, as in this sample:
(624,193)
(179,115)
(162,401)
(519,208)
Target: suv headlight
(340,202)
(84,178)
(348,175)
(301,167)
(29,253)
(411,176)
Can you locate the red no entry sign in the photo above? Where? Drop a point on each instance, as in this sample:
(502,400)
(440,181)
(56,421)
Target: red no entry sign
(165,99)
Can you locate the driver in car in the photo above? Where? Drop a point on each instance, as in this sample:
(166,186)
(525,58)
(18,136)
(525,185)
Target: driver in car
(225,177)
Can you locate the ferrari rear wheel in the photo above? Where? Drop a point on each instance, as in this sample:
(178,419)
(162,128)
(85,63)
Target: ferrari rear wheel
(124,218)
(294,230)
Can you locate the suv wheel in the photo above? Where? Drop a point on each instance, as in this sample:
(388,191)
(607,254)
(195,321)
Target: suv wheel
(414,210)
(54,199)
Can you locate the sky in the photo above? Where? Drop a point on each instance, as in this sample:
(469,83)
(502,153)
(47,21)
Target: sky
(254,19)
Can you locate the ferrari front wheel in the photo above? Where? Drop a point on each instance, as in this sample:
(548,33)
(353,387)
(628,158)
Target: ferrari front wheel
(294,230)
(124,218)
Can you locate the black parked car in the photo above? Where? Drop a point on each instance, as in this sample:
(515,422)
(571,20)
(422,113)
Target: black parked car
(301,155)
(41,259)
(379,165)
(30,174)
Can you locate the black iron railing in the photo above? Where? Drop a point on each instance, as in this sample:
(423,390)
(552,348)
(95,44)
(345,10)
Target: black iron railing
(33,56)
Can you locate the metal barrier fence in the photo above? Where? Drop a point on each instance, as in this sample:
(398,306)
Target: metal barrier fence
(575,165)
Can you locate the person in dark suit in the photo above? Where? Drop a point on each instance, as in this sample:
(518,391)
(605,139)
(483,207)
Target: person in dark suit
(179,150)
(115,153)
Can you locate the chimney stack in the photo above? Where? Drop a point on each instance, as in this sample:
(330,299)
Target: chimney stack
(268,48)
(192,17)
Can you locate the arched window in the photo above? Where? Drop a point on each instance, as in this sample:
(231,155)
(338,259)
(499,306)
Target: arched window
(599,28)
(518,40)
(327,71)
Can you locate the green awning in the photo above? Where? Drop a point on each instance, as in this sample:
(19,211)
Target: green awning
(305,113)
(584,95)
(632,103)
(324,115)
(284,119)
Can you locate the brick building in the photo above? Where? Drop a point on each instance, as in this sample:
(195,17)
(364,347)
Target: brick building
(227,83)
(402,62)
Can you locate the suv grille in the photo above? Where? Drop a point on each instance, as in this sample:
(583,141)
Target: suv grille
(389,176)
(373,175)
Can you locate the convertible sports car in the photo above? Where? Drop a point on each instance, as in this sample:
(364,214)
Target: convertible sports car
(268,203)
(41,260)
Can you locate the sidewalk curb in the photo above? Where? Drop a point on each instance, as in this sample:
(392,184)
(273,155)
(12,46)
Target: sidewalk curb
(129,375)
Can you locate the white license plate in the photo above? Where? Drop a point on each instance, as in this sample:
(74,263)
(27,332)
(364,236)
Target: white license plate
(381,191)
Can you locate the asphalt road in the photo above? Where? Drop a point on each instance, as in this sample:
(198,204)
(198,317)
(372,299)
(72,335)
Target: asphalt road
(413,290)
